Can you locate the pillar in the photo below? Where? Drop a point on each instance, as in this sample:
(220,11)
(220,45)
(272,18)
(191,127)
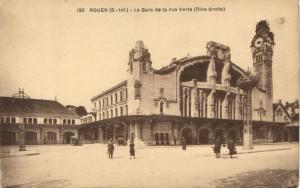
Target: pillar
(114,134)
(211,104)
(194,100)
(60,136)
(225,106)
(22,137)
(42,136)
(137,134)
(100,135)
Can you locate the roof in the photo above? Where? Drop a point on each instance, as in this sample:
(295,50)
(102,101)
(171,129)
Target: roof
(173,65)
(10,106)
(110,90)
(276,105)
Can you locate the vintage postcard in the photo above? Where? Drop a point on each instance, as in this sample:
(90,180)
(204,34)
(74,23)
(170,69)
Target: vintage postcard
(149,93)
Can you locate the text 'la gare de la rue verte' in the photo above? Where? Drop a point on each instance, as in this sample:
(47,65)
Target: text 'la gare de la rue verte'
(149,10)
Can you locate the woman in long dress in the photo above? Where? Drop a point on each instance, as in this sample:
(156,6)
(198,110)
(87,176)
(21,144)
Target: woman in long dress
(132,150)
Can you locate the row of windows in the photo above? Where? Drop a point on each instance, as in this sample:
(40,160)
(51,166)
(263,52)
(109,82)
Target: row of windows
(114,113)
(68,122)
(30,120)
(34,120)
(87,120)
(32,136)
(8,120)
(112,99)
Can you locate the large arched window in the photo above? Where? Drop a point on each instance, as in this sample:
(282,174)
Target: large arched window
(30,135)
(51,136)
(197,71)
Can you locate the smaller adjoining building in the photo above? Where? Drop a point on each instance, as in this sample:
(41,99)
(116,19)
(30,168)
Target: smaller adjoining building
(46,121)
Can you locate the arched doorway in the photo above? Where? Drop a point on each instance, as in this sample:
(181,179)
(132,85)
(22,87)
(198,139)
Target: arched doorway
(67,137)
(187,135)
(9,138)
(219,133)
(203,136)
(233,135)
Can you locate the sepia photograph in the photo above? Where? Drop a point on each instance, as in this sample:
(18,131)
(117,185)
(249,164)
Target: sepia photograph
(149,94)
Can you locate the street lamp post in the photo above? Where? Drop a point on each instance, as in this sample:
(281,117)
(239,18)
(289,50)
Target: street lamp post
(247,84)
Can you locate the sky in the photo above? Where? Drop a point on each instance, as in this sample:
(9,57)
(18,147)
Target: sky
(51,50)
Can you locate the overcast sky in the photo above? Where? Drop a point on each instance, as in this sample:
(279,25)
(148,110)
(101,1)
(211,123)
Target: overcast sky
(51,50)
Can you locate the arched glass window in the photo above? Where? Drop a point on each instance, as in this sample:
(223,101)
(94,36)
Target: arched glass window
(30,135)
(51,135)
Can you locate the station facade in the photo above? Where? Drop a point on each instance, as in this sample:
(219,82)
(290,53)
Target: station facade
(196,98)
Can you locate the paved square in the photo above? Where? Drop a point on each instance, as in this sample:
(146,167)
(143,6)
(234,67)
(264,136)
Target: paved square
(89,166)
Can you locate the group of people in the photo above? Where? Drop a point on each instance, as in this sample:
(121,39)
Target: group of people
(111,148)
(217,147)
(230,146)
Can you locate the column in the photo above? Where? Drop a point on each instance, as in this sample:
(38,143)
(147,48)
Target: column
(100,134)
(42,136)
(184,106)
(22,137)
(194,100)
(60,136)
(114,134)
(200,103)
(238,106)
(211,104)
(137,130)
(225,106)
(188,103)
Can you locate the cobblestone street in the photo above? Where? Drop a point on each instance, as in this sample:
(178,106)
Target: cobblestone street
(89,166)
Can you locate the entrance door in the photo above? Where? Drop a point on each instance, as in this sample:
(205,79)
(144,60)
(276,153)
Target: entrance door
(203,136)
(67,137)
(187,135)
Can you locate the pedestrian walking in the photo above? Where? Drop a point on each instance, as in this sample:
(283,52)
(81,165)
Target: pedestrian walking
(110,149)
(217,147)
(231,147)
(183,142)
(132,150)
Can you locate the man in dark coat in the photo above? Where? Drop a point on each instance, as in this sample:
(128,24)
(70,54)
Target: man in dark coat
(231,147)
(110,149)
(217,148)
(183,142)
(132,150)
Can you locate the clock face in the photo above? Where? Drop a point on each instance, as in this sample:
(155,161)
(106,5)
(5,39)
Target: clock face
(258,42)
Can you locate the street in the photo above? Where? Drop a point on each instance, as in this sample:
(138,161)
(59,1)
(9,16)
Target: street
(89,166)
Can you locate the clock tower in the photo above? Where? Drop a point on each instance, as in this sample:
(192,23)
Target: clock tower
(262,52)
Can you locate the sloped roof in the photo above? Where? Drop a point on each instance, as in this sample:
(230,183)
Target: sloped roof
(276,105)
(10,106)
(110,90)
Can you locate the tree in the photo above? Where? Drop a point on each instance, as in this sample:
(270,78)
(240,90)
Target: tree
(81,111)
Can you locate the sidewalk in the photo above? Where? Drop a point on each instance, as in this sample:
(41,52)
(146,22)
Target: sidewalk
(17,153)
